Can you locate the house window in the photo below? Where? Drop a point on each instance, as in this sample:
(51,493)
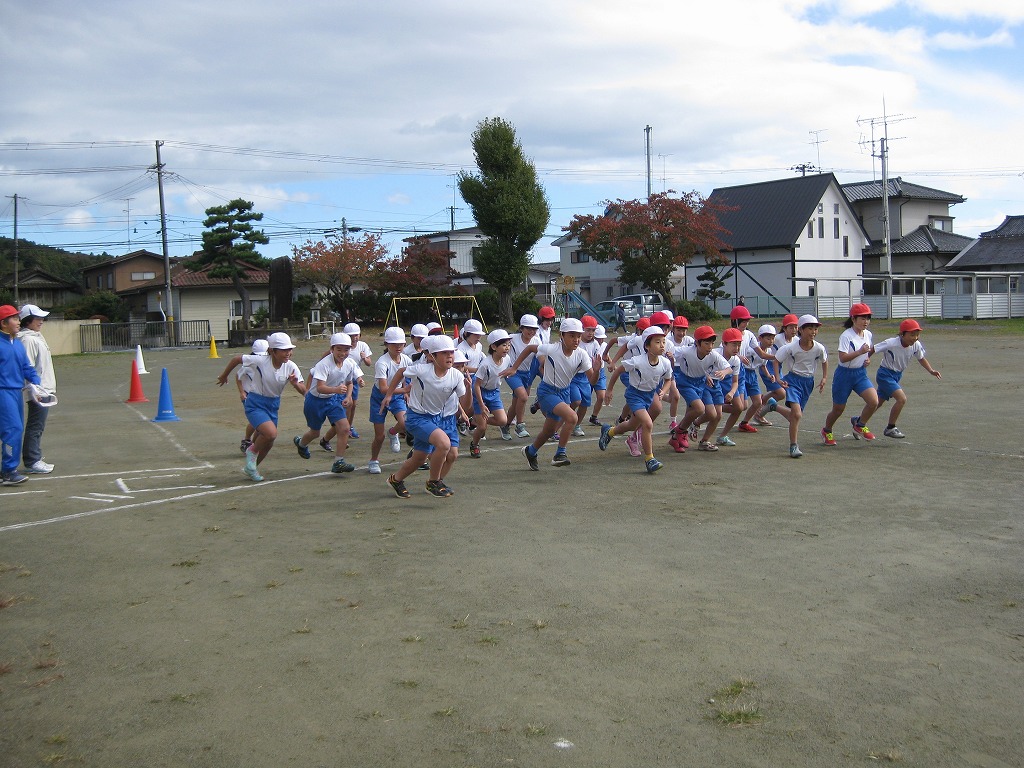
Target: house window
(578,257)
(835,208)
(835,228)
(143,275)
(110,280)
(255,305)
(810,229)
(821,226)
(609,292)
(821,207)
(846,246)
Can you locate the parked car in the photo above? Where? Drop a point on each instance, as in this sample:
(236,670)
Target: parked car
(607,310)
(646,303)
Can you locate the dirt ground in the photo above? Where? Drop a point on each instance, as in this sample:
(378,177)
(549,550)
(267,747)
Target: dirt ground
(860,605)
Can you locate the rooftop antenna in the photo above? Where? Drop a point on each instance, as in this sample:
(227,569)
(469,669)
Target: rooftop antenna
(128,211)
(817,141)
(663,186)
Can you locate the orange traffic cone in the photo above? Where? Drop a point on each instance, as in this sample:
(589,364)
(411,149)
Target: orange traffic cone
(455,333)
(136,394)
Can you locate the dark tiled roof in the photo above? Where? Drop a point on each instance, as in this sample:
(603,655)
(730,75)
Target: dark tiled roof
(124,257)
(770,214)
(924,239)
(872,190)
(1000,249)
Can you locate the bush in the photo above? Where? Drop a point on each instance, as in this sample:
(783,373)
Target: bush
(524,303)
(105,303)
(697,311)
(487,300)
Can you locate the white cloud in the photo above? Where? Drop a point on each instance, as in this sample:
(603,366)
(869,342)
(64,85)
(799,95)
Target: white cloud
(956,41)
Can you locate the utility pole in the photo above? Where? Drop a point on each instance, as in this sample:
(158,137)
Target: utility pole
(883,154)
(16,296)
(163,233)
(647,136)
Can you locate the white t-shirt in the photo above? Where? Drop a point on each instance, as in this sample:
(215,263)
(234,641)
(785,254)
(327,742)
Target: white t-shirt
(386,368)
(802,361)
(332,374)
(749,350)
(474,354)
(644,376)
(594,348)
(518,345)
(428,392)
(559,368)
(267,380)
(411,352)
(851,341)
(487,373)
(699,367)
(895,356)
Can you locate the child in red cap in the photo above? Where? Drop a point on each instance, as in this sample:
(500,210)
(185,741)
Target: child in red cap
(896,355)
(15,370)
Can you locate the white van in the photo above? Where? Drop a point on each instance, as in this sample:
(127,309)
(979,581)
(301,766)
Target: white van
(646,303)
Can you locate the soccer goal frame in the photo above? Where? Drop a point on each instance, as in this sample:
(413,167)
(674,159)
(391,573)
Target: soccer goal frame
(434,307)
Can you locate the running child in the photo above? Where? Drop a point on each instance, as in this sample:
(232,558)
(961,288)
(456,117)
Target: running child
(487,406)
(434,387)
(851,375)
(331,382)
(629,346)
(755,354)
(599,387)
(522,379)
(412,350)
(677,339)
(698,369)
(15,370)
(581,389)
(383,372)
(363,355)
(897,353)
(787,334)
(471,347)
(270,375)
(242,378)
(734,385)
(802,355)
(649,374)
(562,361)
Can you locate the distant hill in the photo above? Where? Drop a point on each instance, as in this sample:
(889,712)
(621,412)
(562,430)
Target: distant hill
(58,262)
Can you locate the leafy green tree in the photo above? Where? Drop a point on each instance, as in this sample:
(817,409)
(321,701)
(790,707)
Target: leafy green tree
(713,279)
(105,303)
(652,237)
(229,246)
(509,206)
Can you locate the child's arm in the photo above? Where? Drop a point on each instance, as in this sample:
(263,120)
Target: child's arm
(595,369)
(479,398)
(395,381)
(619,370)
(233,363)
(928,367)
(824,375)
(241,390)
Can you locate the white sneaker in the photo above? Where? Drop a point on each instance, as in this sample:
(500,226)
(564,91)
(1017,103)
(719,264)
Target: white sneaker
(396,447)
(521,431)
(39,468)
(374,466)
(578,432)
(633,443)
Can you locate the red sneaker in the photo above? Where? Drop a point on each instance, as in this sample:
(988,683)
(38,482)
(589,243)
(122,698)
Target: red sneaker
(746,427)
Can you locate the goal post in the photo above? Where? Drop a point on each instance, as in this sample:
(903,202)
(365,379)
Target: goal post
(436,307)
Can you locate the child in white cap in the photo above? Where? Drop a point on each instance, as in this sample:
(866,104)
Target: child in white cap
(470,346)
(434,389)
(802,355)
(386,367)
(562,360)
(39,356)
(412,350)
(523,345)
(487,405)
(242,379)
(331,382)
(271,374)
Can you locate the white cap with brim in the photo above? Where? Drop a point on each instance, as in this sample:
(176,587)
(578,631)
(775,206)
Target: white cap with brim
(33,310)
(460,357)
(394,335)
(571,325)
(497,336)
(40,396)
(766,329)
(807,320)
(260,347)
(528,321)
(419,330)
(352,329)
(442,343)
(279,341)
(472,326)
(600,332)
(654,330)
(341,340)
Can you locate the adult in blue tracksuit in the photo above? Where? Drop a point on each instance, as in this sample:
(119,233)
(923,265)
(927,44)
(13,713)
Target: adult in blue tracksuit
(15,370)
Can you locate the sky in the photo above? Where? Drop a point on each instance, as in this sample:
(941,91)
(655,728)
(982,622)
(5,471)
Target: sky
(325,113)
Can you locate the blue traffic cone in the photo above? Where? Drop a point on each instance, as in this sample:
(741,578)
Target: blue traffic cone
(165,409)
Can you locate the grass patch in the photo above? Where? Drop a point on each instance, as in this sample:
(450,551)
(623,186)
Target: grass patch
(737,717)
(409,683)
(535,729)
(735,688)
(461,623)
(446,712)
(488,640)
(412,639)
(185,564)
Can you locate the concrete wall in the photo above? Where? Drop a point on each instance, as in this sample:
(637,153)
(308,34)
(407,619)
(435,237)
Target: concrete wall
(63,336)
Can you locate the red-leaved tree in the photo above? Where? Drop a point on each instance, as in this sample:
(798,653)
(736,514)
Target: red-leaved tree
(421,270)
(334,266)
(651,238)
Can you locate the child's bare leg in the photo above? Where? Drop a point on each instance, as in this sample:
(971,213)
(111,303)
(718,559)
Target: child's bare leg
(442,444)
(378,442)
(263,440)
(833,415)
(449,461)
(411,464)
(899,401)
(735,409)
(870,404)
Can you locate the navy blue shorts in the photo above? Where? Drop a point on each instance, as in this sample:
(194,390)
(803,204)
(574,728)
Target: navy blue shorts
(317,409)
(396,405)
(260,409)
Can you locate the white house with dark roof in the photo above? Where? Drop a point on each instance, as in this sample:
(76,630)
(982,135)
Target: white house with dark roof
(998,250)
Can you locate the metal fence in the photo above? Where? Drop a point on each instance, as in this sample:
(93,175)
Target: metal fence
(117,337)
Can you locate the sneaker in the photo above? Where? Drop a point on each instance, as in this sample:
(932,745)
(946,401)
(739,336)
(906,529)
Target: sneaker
(521,431)
(250,461)
(399,487)
(725,440)
(244,445)
(694,429)
(893,432)
(653,465)
(578,432)
(594,421)
(326,446)
(677,446)
(302,449)
(15,478)
(795,452)
(340,465)
(746,427)
(39,468)
(860,430)
(531,457)
(706,446)
(672,426)
(828,437)
(506,433)
(373,467)
(561,459)
(605,438)
(438,488)
(463,427)
(761,421)
(353,435)
(474,450)
(446,487)
(535,407)
(633,443)
(424,467)
(251,472)
(396,444)
(770,405)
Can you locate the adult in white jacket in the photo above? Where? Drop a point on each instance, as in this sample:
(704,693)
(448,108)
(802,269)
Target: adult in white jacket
(38,352)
